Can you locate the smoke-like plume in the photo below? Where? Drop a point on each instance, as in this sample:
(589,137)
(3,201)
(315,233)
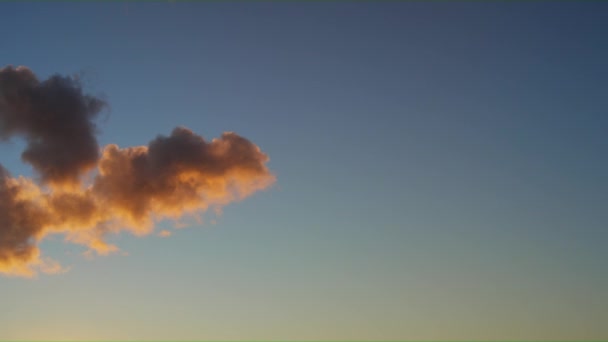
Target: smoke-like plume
(56,119)
(134,187)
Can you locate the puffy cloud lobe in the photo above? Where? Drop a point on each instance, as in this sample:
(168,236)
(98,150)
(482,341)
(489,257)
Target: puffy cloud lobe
(56,119)
(23,218)
(134,187)
(179,173)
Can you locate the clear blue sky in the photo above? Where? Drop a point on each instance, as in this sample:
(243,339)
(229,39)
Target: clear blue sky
(442,169)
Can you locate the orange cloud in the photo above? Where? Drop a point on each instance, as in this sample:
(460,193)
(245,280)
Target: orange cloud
(173,176)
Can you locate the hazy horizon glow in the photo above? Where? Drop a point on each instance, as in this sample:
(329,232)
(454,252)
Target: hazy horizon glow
(439,171)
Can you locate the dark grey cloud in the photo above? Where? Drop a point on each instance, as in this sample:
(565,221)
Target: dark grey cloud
(57,120)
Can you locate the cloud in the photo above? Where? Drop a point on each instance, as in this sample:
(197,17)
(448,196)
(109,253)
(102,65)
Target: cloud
(56,119)
(164,233)
(134,187)
(23,220)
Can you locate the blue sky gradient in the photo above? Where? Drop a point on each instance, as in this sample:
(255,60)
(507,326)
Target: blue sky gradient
(441,169)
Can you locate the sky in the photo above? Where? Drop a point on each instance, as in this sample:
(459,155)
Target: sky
(435,170)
